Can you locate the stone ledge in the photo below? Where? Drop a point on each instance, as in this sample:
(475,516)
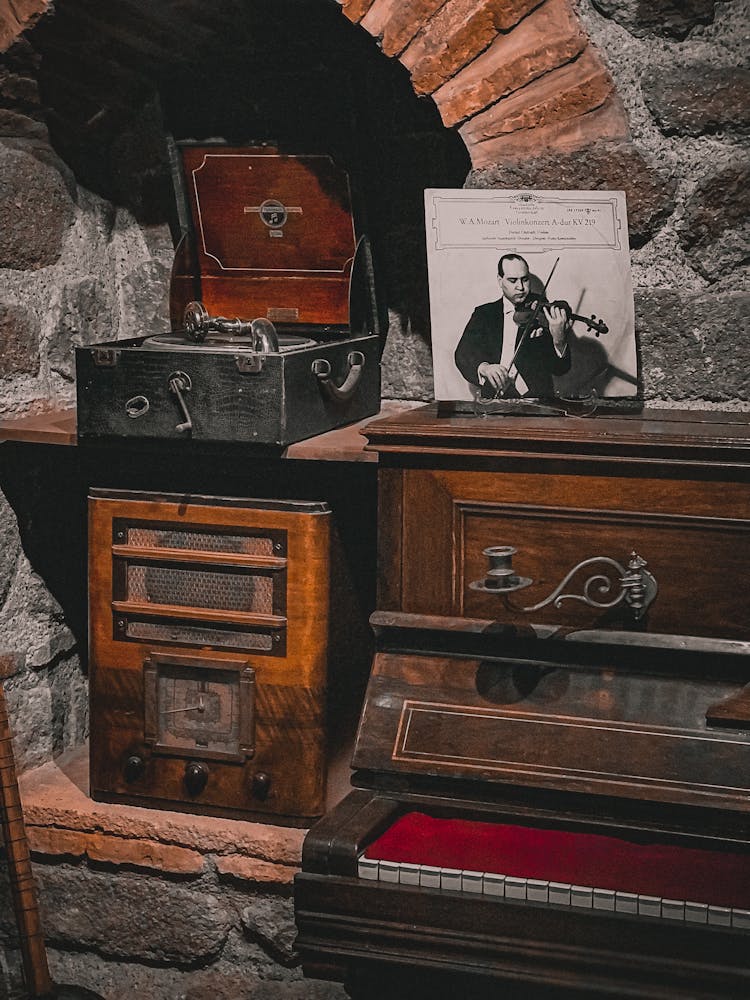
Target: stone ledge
(253,870)
(53,842)
(62,821)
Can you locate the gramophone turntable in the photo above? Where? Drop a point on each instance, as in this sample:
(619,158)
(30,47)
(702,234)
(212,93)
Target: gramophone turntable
(275,333)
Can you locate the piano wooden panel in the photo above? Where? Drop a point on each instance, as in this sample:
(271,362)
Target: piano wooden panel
(672,486)
(587,737)
(567,723)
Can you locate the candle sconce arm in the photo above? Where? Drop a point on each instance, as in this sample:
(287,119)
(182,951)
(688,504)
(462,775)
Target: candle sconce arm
(633,584)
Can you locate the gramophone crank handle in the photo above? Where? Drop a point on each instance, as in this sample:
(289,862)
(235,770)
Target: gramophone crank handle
(179,382)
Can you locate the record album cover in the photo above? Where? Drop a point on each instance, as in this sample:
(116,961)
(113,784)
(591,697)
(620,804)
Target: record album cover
(530,294)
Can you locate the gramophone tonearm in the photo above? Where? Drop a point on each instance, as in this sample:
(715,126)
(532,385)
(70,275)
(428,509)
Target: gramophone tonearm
(260,332)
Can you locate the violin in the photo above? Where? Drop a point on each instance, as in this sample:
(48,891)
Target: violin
(530,315)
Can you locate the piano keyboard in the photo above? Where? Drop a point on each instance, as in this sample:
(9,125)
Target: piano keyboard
(562,867)
(497,886)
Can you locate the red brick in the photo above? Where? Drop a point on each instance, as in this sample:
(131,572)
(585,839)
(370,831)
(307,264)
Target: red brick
(355,10)
(457,33)
(548,38)
(11,663)
(57,843)
(16,17)
(252,870)
(567,92)
(143,854)
(605,123)
(396,22)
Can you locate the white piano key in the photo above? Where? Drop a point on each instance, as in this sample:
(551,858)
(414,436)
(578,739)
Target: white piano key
(626,902)
(450,878)
(604,899)
(559,892)
(472,881)
(673,909)
(408,874)
(720,916)
(493,885)
(581,895)
(367,868)
(429,876)
(741,918)
(515,887)
(537,890)
(649,906)
(388,871)
(696,913)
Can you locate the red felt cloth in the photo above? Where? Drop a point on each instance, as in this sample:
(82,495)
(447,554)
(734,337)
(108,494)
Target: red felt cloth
(588,859)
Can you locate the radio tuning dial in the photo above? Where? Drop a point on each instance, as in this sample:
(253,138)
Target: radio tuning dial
(261,785)
(134,769)
(196,777)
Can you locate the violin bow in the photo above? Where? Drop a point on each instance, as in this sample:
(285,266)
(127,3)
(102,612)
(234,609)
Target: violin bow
(527,331)
(33,953)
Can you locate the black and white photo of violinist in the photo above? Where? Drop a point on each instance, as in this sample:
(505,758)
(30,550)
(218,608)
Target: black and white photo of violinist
(530,294)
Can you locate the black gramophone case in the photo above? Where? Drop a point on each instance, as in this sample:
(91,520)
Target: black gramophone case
(268,235)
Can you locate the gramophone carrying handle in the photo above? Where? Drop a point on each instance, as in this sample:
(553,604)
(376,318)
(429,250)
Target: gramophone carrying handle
(322,369)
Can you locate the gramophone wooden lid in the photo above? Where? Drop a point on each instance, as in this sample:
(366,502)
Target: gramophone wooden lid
(274,234)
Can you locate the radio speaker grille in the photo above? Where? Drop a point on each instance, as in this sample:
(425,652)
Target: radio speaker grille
(222,589)
(200,541)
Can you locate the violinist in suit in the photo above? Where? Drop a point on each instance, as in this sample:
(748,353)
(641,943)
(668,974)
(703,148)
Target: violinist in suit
(485,352)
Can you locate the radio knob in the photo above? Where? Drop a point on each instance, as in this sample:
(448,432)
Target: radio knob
(196,777)
(261,785)
(134,769)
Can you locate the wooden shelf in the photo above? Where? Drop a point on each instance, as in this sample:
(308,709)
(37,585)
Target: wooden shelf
(53,427)
(344,444)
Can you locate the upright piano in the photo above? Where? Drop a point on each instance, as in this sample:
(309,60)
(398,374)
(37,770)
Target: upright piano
(570,811)
(552,798)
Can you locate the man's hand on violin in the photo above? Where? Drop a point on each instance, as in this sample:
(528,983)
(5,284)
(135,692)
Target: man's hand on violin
(557,318)
(496,375)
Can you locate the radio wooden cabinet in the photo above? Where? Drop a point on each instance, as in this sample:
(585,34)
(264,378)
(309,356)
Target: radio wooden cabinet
(209,631)
(670,486)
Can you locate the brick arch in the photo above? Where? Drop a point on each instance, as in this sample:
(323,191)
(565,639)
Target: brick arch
(514,77)
(16,17)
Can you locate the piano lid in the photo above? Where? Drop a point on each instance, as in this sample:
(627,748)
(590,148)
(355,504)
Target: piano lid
(665,719)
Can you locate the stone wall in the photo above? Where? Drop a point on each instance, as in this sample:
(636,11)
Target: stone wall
(681,73)
(676,74)
(159,906)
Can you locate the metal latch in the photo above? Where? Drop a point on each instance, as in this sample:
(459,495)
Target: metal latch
(250,364)
(105,357)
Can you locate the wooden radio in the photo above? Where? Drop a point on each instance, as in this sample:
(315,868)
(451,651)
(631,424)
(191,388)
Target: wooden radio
(209,622)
